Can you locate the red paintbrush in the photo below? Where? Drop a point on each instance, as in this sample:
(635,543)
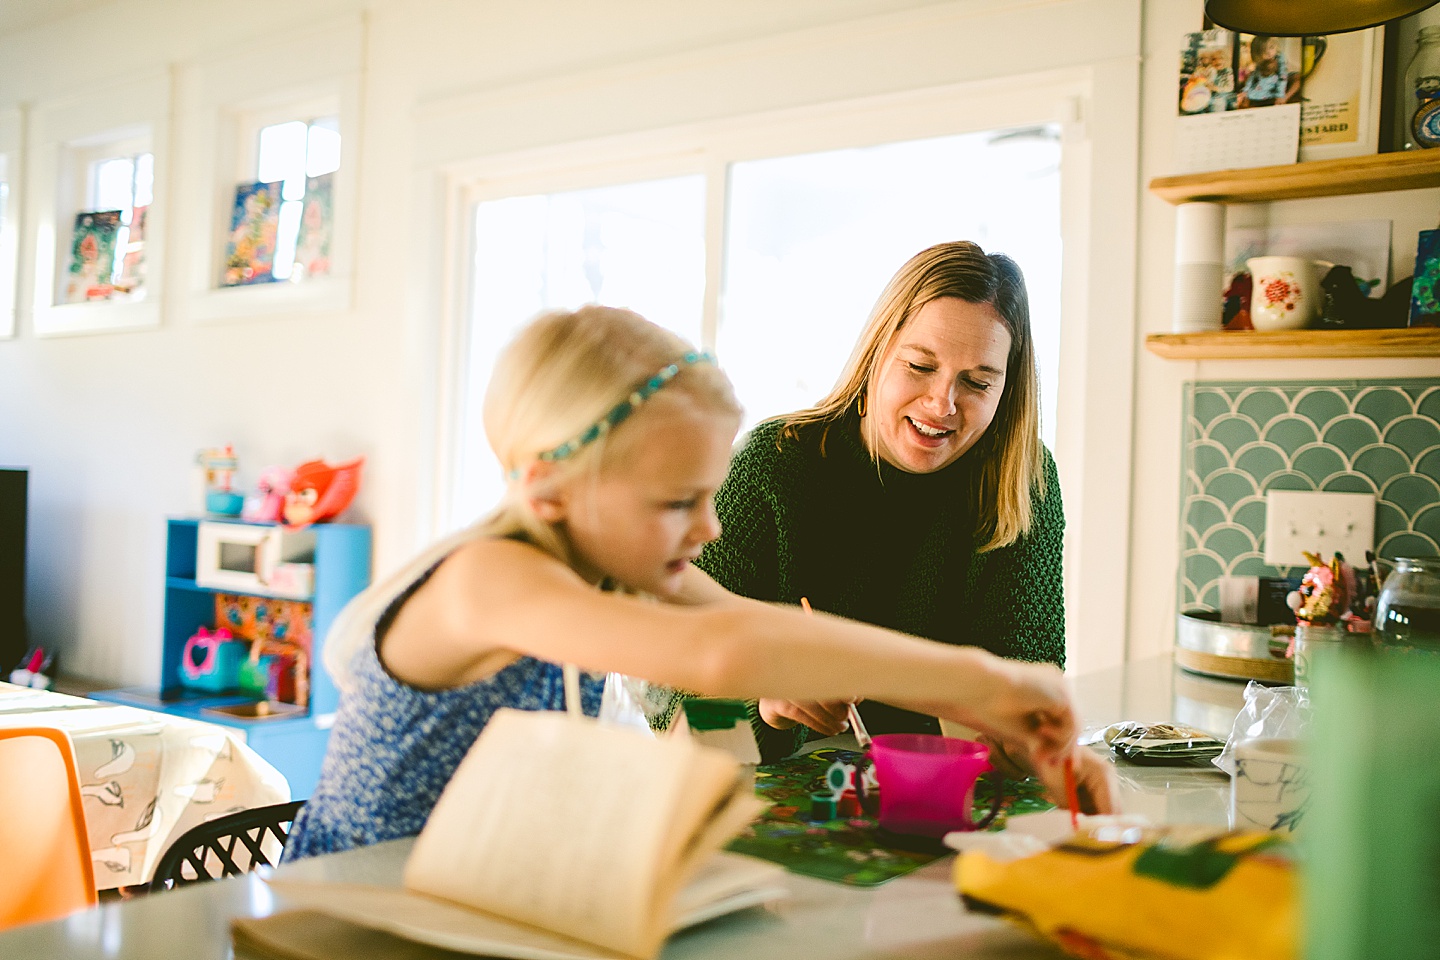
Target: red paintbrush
(1072,796)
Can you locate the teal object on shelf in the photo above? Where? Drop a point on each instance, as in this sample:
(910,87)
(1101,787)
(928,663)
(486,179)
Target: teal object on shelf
(212,661)
(293,742)
(224,503)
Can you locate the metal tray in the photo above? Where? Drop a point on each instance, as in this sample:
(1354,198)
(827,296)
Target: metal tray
(1236,651)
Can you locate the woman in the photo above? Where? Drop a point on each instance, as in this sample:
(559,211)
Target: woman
(916,495)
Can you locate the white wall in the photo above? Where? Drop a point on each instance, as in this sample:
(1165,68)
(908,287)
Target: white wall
(108,424)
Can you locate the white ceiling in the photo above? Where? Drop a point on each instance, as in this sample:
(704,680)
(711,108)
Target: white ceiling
(18,15)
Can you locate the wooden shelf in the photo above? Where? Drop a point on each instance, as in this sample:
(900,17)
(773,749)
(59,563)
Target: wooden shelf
(1316,178)
(1295,344)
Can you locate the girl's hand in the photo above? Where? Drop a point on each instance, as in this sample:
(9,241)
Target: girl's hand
(829,717)
(1024,705)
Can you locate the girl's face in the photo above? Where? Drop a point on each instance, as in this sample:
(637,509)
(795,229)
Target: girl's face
(1269,57)
(646,515)
(938,387)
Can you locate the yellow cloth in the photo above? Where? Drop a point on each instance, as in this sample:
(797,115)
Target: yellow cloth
(1180,895)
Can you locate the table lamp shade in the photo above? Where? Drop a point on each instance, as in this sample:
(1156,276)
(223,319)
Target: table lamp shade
(1299,18)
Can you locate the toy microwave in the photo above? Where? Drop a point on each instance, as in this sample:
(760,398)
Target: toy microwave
(250,558)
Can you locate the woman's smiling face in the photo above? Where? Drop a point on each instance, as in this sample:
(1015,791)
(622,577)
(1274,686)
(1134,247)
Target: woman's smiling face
(937,388)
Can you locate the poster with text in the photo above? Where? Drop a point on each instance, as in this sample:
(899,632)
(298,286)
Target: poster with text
(1340,95)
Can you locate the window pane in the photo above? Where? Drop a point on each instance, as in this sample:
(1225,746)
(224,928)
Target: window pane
(114,179)
(282,157)
(812,240)
(322,155)
(637,245)
(144,179)
(285,237)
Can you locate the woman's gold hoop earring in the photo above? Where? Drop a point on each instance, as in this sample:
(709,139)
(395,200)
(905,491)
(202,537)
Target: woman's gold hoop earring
(860,405)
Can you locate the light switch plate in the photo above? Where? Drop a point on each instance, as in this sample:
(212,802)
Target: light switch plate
(1322,523)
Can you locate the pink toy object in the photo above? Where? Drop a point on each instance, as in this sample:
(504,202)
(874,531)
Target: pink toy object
(927,783)
(269,499)
(212,661)
(1326,592)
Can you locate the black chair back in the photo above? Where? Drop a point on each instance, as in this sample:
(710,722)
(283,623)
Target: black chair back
(226,846)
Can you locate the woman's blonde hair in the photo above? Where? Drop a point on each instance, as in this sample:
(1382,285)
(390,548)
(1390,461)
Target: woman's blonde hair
(560,376)
(1011,470)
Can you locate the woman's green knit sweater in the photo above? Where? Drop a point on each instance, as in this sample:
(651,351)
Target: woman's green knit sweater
(886,547)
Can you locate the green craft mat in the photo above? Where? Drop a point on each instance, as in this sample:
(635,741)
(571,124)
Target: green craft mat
(854,850)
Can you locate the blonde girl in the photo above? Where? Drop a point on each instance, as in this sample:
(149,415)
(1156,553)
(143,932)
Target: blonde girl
(615,435)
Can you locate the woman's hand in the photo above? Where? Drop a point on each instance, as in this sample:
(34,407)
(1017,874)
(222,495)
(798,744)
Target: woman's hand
(827,717)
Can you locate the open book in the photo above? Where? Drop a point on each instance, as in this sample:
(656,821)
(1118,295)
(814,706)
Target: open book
(562,838)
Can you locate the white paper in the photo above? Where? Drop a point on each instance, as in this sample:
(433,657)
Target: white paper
(1236,139)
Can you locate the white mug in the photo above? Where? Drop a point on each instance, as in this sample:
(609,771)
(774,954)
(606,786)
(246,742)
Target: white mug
(1285,292)
(1270,789)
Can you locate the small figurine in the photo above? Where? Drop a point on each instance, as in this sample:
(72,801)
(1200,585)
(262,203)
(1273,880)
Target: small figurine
(1348,307)
(269,499)
(1236,313)
(33,673)
(1330,594)
(320,491)
(1321,597)
(218,465)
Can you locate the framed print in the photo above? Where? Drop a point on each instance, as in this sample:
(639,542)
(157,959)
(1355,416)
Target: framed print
(1340,93)
(267,173)
(96,208)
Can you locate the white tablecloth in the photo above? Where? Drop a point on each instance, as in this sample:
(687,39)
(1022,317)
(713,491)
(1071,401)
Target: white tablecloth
(146,777)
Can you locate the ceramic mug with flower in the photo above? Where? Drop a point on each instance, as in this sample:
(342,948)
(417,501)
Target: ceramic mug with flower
(1285,293)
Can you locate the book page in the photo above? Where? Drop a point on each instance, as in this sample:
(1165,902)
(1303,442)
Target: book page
(568,825)
(423,919)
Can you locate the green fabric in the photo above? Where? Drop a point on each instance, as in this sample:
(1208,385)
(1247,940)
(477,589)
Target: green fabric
(886,547)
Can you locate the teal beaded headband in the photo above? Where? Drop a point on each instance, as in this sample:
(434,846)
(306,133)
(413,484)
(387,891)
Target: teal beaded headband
(622,410)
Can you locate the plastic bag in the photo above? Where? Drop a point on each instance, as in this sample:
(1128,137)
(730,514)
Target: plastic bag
(1269,712)
(632,702)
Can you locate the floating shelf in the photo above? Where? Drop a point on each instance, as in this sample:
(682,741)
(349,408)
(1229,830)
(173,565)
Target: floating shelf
(1315,178)
(1295,344)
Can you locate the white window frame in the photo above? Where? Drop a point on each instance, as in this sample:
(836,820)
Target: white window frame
(11,147)
(131,118)
(295,76)
(1094,462)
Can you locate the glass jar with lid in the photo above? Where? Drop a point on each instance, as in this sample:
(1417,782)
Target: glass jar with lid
(1419,110)
(1407,613)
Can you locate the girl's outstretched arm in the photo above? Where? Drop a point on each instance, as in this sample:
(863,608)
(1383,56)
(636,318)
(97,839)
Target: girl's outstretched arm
(492,600)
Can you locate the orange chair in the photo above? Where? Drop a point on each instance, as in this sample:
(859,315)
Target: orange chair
(45,869)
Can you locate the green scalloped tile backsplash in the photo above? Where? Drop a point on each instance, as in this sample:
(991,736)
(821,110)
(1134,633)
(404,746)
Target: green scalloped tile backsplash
(1353,436)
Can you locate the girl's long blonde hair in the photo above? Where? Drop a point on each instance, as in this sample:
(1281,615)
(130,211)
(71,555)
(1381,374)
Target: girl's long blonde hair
(1011,471)
(560,375)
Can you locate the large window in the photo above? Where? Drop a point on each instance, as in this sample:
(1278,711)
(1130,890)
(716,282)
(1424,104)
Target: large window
(635,245)
(807,242)
(811,241)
